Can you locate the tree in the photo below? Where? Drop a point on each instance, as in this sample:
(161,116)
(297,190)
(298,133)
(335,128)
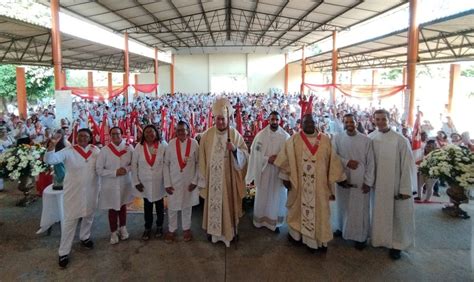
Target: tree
(469,72)
(392,74)
(39,84)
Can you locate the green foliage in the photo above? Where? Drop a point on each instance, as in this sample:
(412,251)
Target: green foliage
(468,72)
(39,83)
(392,74)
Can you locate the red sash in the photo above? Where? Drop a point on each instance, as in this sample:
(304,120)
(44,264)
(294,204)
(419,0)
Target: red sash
(82,153)
(311,148)
(150,159)
(181,162)
(117,153)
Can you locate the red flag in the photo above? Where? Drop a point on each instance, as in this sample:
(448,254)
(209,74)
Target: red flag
(104,131)
(302,104)
(238,119)
(73,136)
(309,106)
(209,119)
(193,130)
(95,129)
(259,122)
(416,139)
(171,131)
(164,128)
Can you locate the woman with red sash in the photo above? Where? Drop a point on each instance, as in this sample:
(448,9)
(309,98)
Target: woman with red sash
(147,177)
(114,166)
(81,190)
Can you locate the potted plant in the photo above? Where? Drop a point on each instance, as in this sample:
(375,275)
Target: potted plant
(22,164)
(454,165)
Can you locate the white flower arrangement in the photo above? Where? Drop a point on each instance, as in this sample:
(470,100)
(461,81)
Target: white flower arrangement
(23,160)
(250,192)
(453,164)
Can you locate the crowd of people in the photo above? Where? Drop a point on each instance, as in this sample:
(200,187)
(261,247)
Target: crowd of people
(303,154)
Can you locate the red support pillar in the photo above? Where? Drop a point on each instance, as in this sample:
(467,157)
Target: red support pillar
(303,70)
(56,45)
(334,67)
(64,77)
(412,58)
(21,92)
(109,83)
(374,81)
(454,74)
(156,70)
(285,87)
(172,74)
(90,83)
(126,68)
(136,82)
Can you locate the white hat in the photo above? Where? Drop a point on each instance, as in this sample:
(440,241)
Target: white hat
(220,107)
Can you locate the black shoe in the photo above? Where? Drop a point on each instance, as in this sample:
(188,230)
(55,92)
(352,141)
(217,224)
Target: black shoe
(311,250)
(323,249)
(436,194)
(360,245)
(395,254)
(159,232)
(293,241)
(146,235)
(417,199)
(337,233)
(88,244)
(63,261)
(277,230)
(209,238)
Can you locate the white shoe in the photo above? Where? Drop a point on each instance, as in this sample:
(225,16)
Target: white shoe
(123,233)
(114,239)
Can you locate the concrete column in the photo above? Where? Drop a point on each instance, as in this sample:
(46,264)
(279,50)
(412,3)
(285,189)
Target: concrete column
(334,67)
(126,68)
(90,83)
(285,89)
(21,92)
(454,74)
(156,70)
(412,58)
(109,83)
(56,45)
(303,70)
(172,74)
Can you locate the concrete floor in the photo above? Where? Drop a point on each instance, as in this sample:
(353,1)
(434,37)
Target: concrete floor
(442,253)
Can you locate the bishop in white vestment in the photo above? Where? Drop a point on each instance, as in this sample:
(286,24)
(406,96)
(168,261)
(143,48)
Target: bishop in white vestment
(222,164)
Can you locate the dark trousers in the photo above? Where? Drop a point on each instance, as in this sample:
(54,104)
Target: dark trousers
(160,213)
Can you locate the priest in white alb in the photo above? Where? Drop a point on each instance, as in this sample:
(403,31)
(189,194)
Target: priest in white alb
(309,168)
(393,223)
(270,200)
(222,164)
(181,176)
(352,196)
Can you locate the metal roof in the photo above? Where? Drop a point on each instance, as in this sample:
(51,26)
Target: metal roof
(180,25)
(29,44)
(440,41)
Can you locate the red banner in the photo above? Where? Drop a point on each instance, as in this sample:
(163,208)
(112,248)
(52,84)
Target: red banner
(102,92)
(360,91)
